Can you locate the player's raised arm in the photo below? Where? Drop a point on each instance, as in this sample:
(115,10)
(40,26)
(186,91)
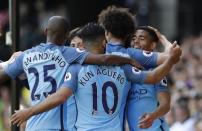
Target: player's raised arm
(162,39)
(52,101)
(166,43)
(158,73)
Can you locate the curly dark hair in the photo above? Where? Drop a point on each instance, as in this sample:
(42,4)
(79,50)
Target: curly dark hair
(118,21)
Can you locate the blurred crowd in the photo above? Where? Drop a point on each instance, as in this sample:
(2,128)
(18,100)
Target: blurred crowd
(185,79)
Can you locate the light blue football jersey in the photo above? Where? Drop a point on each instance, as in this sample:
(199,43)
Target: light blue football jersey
(98,92)
(145,58)
(45,66)
(143,99)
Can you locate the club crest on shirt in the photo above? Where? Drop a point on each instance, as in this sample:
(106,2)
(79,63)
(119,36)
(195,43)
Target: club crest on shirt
(164,82)
(136,71)
(68,76)
(79,50)
(147,53)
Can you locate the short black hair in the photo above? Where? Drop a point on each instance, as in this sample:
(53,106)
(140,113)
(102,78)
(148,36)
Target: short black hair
(73,33)
(151,32)
(91,32)
(119,21)
(58,24)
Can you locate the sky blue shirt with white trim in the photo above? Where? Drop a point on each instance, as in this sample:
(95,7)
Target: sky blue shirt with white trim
(99,91)
(143,99)
(145,58)
(45,66)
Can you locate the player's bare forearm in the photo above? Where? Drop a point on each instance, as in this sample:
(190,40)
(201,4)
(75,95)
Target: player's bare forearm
(164,55)
(164,105)
(118,60)
(158,73)
(162,39)
(167,44)
(50,102)
(103,59)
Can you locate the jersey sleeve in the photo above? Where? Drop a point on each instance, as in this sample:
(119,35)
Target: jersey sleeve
(145,58)
(75,55)
(162,86)
(16,67)
(71,77)
(133,74)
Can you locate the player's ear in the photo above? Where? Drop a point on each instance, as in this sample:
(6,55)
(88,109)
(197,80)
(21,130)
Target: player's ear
(106,35)
(104,41)
(45,31)
(153,45)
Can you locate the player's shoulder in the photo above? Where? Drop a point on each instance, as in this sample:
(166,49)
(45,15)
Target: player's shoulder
(72,49)
(132,49)
(71,52)
(73,69)
(36,48)
(75,66)
(139,51)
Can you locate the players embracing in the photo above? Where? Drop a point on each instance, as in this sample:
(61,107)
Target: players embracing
(101,97)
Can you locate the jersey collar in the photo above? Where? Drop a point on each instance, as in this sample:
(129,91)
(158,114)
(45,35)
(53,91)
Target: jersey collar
(115,43)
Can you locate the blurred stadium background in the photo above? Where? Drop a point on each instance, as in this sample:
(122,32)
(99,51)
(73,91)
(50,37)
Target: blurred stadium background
(179,20)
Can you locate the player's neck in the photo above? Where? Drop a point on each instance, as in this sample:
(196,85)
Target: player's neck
(54,41)
(95,50)
(111,38)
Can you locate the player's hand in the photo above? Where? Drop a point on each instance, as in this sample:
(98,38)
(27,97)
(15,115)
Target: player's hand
(20,116)
(159,35)
(162,39)
(175,53)
(136,64)
(146,120)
